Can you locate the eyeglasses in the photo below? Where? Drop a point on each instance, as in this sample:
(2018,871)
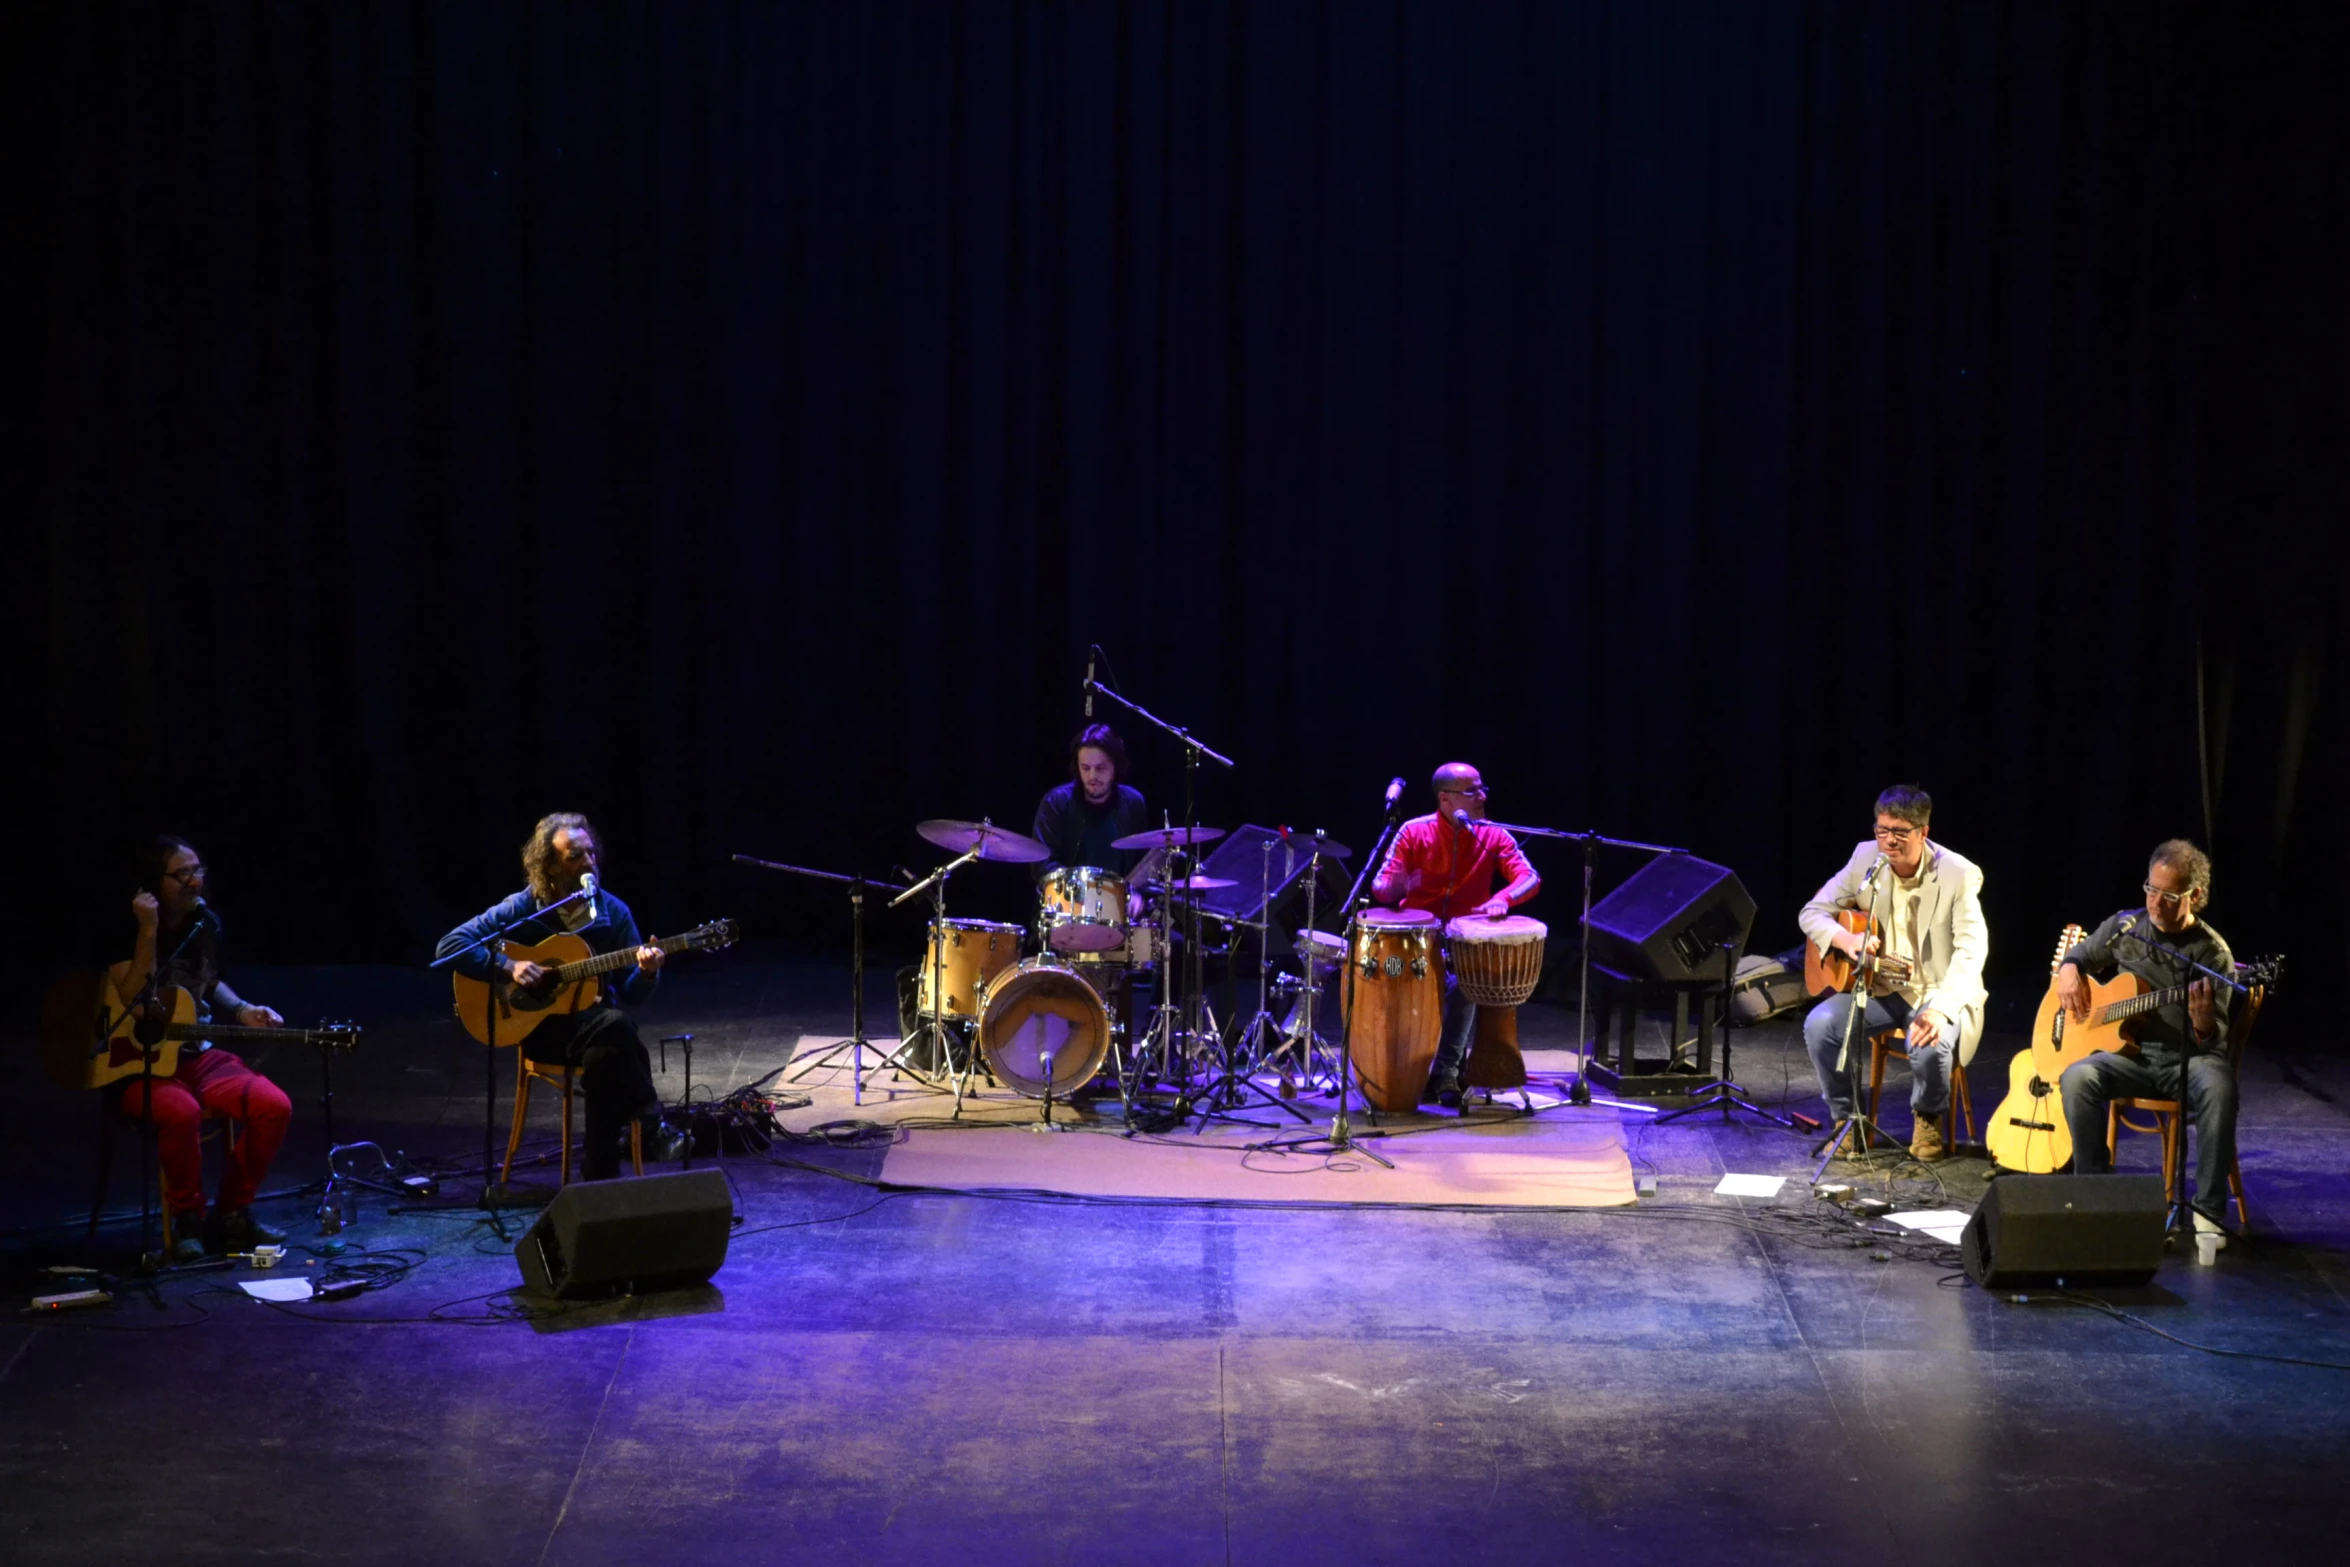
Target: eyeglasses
(1896,834)
(192,873)
(1477,793)
(2169,900)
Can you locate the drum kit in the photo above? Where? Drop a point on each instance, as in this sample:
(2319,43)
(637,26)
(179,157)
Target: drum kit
(1042,1011)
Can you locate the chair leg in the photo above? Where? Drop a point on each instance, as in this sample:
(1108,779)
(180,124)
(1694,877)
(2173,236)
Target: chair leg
(2236,1190)
(636,1146)
(563,1165)
(2170,1155)
(521,1109)
(2113,1133)
(1876,1088)
(1960,1097)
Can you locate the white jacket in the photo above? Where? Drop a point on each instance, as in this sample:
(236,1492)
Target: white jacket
(1953,941)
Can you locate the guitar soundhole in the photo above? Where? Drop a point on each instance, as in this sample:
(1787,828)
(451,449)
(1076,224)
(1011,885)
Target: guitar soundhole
(529,1000)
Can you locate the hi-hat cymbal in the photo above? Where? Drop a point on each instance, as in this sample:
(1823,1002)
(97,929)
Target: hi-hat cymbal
(1167,837)
(1190,884)
(992,842)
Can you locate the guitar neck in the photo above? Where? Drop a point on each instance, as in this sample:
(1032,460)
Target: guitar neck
(235,1034)
(625,957)
(2140,1005)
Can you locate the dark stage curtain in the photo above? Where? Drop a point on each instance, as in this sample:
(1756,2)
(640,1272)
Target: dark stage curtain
(735,421)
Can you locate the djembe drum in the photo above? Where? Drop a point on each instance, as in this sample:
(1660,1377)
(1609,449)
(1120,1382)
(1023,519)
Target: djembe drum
(1497,963)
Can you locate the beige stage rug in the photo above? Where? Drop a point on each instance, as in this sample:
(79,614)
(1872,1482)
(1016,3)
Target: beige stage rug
(1495,1157)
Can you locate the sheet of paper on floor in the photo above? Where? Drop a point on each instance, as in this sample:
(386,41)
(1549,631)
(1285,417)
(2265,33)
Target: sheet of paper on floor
(1750,1185)
(1943,1224)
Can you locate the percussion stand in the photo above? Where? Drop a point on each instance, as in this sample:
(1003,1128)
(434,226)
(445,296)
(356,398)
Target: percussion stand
(1306,1041)
(1193,750)
(1584,1044)
(855,1043)
(1230,1088)
(1343,1138)
(936,885)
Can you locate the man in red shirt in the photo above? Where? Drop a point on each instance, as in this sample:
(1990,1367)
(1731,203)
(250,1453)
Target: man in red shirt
(1446,863)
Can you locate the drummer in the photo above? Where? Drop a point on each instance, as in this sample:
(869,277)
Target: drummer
(1077,820)
(1449,869)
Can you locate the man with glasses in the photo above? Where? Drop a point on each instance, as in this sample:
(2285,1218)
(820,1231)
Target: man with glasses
(2173,1040)
(1448,868)
(178,944)
(1931,941)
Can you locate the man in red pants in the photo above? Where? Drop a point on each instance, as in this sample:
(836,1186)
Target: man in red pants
(179,944)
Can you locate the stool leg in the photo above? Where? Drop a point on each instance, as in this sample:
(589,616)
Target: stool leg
(563,1165)
(2170,1150)
(2236,1190)
(636,1145)
(1876,1087)
(1959,1095)
(521,1109)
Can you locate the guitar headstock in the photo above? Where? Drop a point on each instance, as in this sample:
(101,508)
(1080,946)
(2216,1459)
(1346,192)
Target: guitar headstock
(335,1036)
(2262,974)
(2071,937)
(713,937)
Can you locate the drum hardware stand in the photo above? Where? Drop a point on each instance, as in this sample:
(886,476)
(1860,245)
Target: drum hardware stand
(1229,1088)
(1723,1092)
(855,1044)
(936,885)
(1193,750)
(1315,1056)
(1342,1137)
(1581,1094)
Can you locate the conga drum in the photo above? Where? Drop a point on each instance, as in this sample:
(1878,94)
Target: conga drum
(1392,997)
(1498,964)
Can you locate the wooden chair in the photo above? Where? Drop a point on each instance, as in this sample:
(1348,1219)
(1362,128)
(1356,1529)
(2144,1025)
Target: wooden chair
(1882,1044)
(2166,1114)
(565,1078)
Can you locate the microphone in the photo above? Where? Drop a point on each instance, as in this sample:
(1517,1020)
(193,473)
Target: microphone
(1089,652)
(1467,824)
(1875,866)
(587,885)
(203,911)
(1394,791)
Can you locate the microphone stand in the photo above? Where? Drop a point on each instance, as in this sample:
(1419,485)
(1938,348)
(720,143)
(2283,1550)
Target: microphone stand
(2182,1208)
(494,1196)
(1343,1138)
(855,1043)
(1581,1094)
(1861,970)
(1193,750)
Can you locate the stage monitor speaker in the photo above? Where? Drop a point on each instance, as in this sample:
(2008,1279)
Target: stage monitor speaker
(1670,919)
(2065,1230)
(614,1237)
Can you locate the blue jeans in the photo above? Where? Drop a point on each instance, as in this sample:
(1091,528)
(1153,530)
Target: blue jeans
(2095,1081)
(1823,1036)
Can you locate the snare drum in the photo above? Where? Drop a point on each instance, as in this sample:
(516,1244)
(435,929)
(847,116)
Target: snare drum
(1395,1012)
(1037,1010)
(1497,962)
(1084,909)
(971,952)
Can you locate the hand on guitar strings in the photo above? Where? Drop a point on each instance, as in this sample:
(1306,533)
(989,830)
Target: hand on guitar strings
(650,958)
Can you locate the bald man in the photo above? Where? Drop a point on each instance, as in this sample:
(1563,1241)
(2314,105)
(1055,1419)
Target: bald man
(1448,868)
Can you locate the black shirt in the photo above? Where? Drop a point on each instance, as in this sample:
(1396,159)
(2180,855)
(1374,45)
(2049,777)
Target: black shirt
(2129,943)
(1079,832)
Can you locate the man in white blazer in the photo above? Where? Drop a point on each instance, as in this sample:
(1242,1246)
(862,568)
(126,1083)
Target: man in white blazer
(1931,941)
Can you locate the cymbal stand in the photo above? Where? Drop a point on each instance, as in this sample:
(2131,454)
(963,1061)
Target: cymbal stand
(1193,750)
(855,1043)
(936,885)
(1232,1083)
(1342,1137)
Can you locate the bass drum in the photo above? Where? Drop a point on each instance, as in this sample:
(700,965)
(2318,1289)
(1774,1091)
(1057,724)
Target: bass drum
(1041,1010)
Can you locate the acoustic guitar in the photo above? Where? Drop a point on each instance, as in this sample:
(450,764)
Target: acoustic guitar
(89,1039)
(2027,1133)
(1826,974)
(574,985)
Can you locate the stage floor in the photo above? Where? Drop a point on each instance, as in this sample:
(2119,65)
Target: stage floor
(1041,1375)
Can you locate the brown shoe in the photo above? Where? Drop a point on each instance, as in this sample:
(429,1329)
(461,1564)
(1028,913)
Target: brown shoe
(1925,1140)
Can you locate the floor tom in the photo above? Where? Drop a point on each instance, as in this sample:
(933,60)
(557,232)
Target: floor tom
(968,953)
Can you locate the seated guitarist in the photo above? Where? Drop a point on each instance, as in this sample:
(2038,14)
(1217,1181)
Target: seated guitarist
(2178,884)
(174,921)
(1928,900)
(615,1071)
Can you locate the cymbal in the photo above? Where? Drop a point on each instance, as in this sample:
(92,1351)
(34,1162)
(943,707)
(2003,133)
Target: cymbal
(993,843)
(1190,884)
(1167,837)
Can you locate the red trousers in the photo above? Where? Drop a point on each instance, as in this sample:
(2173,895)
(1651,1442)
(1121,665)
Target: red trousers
(217,1083)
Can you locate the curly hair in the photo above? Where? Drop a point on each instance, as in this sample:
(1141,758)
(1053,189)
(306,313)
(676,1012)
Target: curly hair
(2189,861)
(538,851)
